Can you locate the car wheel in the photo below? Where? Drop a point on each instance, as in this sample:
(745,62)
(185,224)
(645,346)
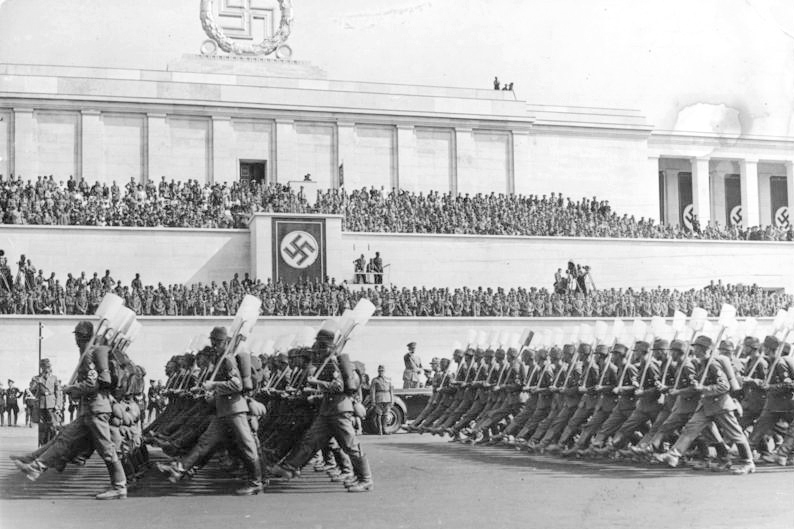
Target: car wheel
(394,420)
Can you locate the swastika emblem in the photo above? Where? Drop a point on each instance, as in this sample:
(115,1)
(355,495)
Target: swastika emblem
(689,216)
(238,18)
(299,249)
(736,216)
(782,217)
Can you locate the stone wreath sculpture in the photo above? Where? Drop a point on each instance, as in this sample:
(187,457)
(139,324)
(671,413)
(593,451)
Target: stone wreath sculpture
(265,47)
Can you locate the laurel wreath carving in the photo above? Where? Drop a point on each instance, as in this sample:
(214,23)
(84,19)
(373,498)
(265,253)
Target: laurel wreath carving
(265,47)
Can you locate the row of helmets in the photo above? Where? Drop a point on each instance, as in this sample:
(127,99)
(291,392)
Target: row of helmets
(727,326)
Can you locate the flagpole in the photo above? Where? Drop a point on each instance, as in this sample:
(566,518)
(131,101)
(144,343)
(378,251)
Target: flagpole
(40,339)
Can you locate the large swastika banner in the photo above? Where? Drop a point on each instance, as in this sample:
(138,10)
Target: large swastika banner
(298,249)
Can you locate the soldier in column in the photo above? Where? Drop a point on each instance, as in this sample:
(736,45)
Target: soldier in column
(231,410)
(92,388)
(570,397)
(532,371)
(662,352)
(649,399)
(587,403)
(752,378)
(440,379)
(779,389)
(550,362)
(607,400)
(716,407)
(335,418)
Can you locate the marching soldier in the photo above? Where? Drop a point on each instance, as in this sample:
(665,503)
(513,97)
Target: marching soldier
(779,392)
(230,418)
(335,419)
(589,398)
(92,427)
(717,406)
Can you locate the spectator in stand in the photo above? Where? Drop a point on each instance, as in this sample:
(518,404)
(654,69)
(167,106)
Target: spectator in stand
(327,298)
(189,204)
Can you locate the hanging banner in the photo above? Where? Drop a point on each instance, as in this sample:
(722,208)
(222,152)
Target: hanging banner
(781,210)
(733,200)
(298,249)
(685,208)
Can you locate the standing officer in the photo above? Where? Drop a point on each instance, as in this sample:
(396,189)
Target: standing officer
(45,387)
(413,367)
(382,397)
(12,402)
(92,426)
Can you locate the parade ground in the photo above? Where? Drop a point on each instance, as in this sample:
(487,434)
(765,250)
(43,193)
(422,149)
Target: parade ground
(420,481)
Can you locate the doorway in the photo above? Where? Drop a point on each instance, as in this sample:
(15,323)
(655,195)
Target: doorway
(253,171)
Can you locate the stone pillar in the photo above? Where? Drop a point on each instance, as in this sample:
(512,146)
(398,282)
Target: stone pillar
(749,184)
(286,167)
(521,181)
(464,155)
(224,162)
(158,147)
(345,145)
(701,190)
(655,206)
(25,152)
(406,156)
(93,145)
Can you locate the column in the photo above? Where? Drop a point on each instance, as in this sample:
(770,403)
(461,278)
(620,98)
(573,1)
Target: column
(25,152)
(749,184)
(158,147)
(701,190)
(224,162)
(406,156)
(345,146)
(658,203)
(286,167)
(92,151)
(464,157)
(521,180)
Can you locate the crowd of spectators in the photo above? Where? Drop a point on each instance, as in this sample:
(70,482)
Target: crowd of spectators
(190,204)
(31,291)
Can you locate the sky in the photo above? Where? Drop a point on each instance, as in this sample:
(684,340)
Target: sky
(721,66)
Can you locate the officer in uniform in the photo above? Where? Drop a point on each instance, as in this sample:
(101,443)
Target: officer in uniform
(44,387)
(382,398)
(231,410)
(413,367)
(92,426)
(338,382)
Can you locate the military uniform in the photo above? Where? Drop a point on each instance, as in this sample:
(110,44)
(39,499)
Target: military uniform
(716,406)
(382,398)
(45,387)
(335,419)
(229,421)
(413,368)
(92,427)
